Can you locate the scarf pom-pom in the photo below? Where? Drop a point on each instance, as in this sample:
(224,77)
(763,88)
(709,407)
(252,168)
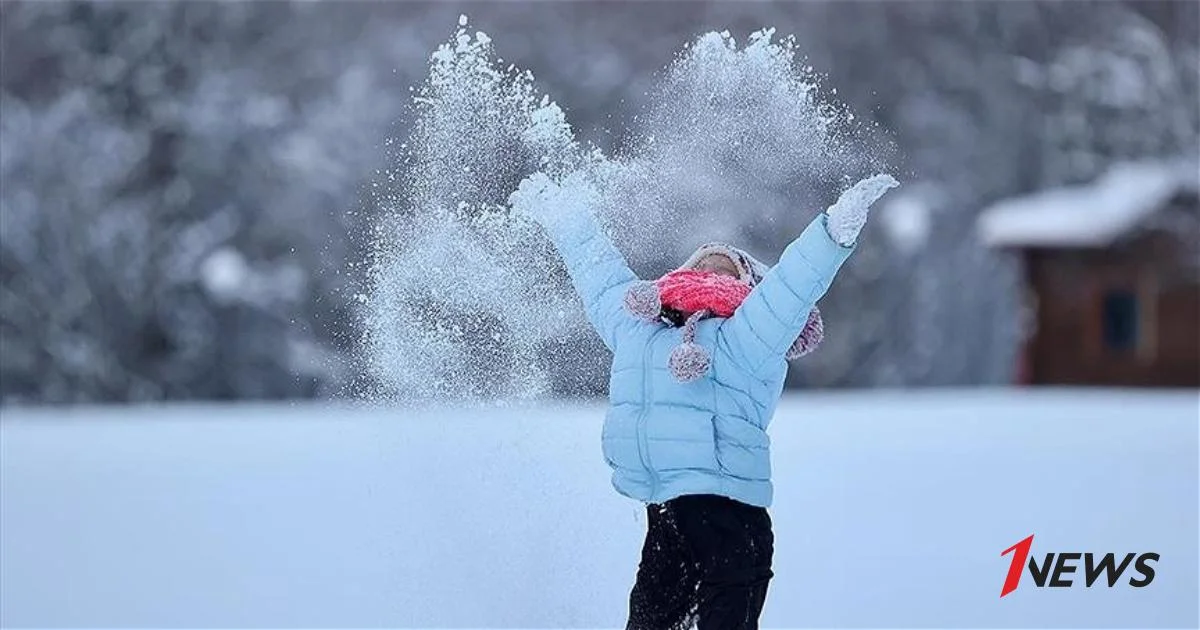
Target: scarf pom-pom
(642,300)
(689,361)
(810,337)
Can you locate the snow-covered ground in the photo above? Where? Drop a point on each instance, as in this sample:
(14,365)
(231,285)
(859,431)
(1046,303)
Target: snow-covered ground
(892,509)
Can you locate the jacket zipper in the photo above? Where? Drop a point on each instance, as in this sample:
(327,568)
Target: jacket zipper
(647,389)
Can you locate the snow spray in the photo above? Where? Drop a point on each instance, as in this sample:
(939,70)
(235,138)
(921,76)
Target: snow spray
(469,303)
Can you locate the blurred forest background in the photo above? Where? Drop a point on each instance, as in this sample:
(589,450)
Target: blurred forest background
(185,186)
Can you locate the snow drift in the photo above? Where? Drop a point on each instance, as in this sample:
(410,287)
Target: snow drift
(892,510)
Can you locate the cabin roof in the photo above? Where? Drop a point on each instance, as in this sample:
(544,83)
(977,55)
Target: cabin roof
(1088,215)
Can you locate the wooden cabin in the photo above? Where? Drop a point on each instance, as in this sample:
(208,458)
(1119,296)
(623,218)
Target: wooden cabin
(1112,277)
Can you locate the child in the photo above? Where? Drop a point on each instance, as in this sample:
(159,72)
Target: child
(699,360)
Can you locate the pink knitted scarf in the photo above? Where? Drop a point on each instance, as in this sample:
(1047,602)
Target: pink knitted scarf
(689,291)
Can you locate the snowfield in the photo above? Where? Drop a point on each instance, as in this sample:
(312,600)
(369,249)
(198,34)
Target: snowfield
(892,509)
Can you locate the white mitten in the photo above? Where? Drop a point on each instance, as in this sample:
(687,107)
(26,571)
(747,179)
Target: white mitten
(534,196)
(849,214)
(550,203)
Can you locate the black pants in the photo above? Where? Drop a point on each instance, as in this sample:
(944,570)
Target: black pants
(706,561)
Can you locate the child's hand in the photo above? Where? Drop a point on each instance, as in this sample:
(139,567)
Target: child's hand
(849,214)
(534,197)
(548,202)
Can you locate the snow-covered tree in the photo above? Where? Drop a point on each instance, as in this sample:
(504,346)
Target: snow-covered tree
(176,189)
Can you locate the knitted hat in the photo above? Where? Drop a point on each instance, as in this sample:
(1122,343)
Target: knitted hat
(690,360)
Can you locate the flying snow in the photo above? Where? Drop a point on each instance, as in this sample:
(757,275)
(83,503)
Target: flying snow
(469,302)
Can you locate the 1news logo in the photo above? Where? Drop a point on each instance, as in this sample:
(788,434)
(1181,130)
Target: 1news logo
(1066,563)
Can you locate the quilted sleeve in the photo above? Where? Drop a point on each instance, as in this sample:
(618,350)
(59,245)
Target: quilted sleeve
(598,272)
(769,320)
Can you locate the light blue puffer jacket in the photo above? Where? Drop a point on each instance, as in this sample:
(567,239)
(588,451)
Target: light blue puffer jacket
(664,438)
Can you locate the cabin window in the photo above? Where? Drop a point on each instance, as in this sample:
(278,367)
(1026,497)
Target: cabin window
(1121,323)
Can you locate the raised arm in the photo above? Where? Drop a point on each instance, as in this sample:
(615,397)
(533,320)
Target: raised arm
(768,321)
(598,271)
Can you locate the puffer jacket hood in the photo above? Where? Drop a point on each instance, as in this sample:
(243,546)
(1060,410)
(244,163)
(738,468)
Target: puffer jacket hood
(689,361)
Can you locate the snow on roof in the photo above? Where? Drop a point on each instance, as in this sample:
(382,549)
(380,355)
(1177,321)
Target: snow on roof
(1089,215)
